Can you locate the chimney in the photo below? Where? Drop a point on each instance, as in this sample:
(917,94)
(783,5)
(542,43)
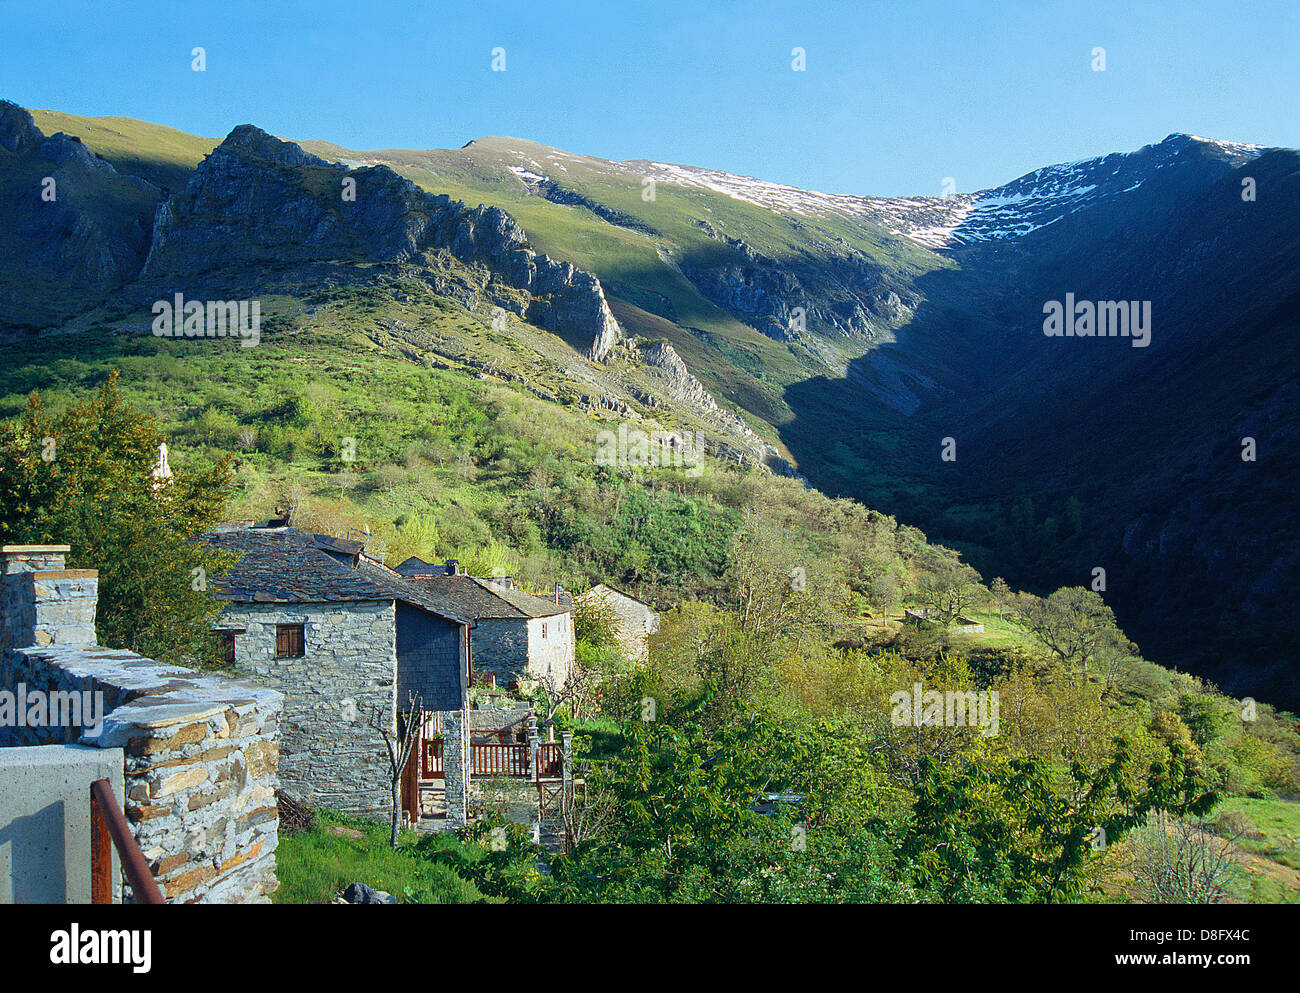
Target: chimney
(559,591)
(41,602)
(452,567)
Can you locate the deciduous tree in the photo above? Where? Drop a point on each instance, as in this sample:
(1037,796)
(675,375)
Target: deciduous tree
(83,477)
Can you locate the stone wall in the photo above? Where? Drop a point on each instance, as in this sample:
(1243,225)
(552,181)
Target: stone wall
(500,647)
(329,754)
(200,751)
(492,719)
(456,764)
(41,601)
(633,622)
(514,649)
(550,648)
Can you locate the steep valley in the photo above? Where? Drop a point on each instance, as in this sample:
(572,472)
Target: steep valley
(842,337)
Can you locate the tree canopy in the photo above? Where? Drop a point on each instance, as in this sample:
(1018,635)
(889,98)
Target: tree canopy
(83,477)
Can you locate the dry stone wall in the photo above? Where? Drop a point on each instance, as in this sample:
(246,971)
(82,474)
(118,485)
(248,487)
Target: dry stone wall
(200,751)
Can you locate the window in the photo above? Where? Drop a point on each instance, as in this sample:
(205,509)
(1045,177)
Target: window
(226,646)
(288,641)
(543,630)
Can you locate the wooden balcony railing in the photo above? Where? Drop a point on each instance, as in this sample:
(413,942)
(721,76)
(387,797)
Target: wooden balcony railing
(431,759)
(109,830)
(493,760)
(551,759)
(498,760)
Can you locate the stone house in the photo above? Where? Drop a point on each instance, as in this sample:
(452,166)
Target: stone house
(339,635)
(517,636)
(924,616)
(633,620)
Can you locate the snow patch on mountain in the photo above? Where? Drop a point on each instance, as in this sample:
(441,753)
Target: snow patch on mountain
(527,175)
(1027,204)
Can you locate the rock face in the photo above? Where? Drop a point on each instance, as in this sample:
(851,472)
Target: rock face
(257,200)
(676,378)
(18,132)
(745,446)
(73,227)
(844,294)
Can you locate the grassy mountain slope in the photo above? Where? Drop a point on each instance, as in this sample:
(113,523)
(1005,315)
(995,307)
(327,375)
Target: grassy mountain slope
(160,154)
(904,346)
(375,401)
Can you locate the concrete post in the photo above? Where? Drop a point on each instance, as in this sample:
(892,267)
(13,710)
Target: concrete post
(45,821)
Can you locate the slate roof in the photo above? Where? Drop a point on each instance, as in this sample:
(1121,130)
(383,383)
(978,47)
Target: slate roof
(284,565)
(481,599)
(418,567)
(415,593)
(614,589)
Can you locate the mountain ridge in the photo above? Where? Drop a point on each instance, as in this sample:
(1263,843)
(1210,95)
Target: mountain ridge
(856,332)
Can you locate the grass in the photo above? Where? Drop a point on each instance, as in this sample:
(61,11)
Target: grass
(1276,822)
(160,154)
(318,865)
(1004,633)
(1270,855)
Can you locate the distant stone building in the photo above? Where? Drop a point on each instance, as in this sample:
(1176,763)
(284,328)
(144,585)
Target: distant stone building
(517,636)
(338,634)
(923,616)
(633,620)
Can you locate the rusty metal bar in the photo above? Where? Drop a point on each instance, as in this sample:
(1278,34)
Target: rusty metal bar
(101,856)
(107,822)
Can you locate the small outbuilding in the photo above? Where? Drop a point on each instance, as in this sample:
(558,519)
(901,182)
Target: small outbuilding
(633,620)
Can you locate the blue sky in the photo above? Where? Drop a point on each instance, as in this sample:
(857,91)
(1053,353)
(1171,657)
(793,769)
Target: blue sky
(895,97)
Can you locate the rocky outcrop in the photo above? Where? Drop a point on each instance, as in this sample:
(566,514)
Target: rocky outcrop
(847,295)
(676,379)
(671,376)
(73,227)
(258,200)
(556,193)
(18,132)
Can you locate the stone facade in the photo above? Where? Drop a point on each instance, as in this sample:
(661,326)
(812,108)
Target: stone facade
(200,751)
(330,755)
(551,648)
(522,648)
(633,621)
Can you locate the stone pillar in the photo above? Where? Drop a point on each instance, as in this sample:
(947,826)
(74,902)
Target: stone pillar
(566,774)
(41,602)
(535,753)
(456,766)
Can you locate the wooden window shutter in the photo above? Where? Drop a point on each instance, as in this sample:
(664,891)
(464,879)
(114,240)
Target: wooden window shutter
(289,641)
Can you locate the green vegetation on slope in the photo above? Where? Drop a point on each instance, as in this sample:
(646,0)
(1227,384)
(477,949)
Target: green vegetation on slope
(160,154)
(316,866)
